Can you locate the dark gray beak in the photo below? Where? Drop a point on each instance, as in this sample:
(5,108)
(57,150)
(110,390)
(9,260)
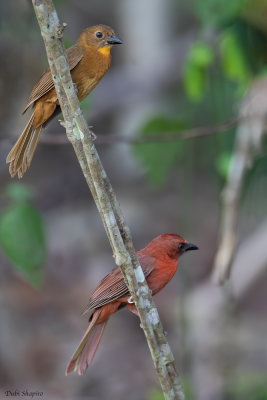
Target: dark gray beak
(190,246)
(114,40)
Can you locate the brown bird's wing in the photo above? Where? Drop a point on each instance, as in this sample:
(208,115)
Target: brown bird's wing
(113,286)
(45,83)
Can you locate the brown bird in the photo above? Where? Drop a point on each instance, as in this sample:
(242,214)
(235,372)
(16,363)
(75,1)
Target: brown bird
(159,261)
(89,59)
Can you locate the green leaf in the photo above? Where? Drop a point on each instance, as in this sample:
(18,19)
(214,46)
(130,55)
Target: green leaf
(19,192)
(194,82)
(200,57)
(23,240)
(158,158)
(216,12)
(223,164)
(201,54)
(233,60)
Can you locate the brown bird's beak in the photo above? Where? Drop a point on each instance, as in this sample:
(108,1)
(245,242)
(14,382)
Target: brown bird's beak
(114,40)
(190,246)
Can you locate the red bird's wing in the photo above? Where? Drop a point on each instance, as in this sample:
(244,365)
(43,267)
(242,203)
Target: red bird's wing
(46,83)
(110,288)
(113,286)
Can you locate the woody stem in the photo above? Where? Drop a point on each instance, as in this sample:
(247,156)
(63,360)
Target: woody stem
(117,230)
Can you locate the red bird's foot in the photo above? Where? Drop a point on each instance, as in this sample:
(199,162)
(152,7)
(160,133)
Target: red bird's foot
(130,300)
(93,135)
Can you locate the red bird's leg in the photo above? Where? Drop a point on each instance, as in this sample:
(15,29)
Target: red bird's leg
(131,307)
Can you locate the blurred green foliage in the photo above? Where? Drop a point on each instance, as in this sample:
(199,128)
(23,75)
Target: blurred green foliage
(22,235)
(239,49)
(86,103)
(215,13)
(19,193)
(229,53)
(155,395)
(230,58)
(158,395)
(200,57)
(234,63)
(158,158)
(222,164)
(247,387)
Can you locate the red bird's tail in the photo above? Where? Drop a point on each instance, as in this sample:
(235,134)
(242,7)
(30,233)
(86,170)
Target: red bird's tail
(86,350)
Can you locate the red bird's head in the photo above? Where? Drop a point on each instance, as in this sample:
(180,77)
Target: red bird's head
(170,245)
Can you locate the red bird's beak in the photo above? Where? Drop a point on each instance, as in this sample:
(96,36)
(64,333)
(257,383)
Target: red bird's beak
(190,246)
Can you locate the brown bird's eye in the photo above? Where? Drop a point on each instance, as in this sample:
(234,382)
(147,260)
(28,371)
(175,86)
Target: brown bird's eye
(99,35)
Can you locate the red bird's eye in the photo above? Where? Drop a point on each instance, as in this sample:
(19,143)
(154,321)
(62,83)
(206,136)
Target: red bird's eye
(181,246)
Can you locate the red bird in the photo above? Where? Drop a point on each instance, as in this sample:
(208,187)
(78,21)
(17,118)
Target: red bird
(159,261)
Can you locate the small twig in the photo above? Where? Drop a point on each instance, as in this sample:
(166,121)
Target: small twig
(248,140)
(185,134)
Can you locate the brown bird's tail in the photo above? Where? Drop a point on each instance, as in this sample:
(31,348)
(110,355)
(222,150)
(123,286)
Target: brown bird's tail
(86,350)
(21,154)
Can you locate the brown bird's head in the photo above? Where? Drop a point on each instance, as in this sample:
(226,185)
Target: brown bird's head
(101,37)
(170,245)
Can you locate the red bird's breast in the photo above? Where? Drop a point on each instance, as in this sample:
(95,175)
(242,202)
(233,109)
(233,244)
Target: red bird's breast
(162,274)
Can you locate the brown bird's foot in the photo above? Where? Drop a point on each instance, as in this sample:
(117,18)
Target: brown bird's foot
(62,123)
(75,88)
(60,29)
(93,135)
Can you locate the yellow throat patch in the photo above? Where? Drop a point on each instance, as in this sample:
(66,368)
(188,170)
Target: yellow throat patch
(105,50)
